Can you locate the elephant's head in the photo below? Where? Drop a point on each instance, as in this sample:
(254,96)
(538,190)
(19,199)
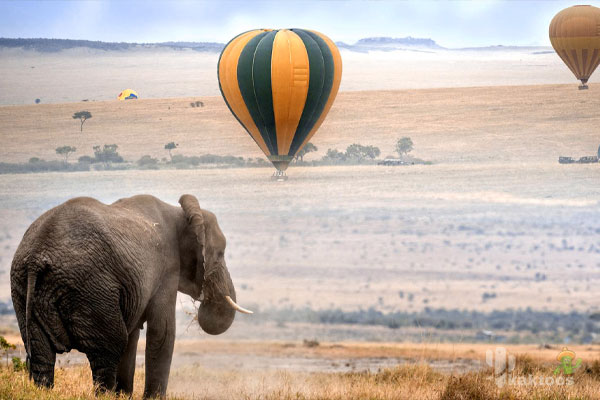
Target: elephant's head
(204,275)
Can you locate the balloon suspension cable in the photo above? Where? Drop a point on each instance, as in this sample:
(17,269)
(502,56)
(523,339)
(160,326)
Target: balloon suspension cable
(279,176)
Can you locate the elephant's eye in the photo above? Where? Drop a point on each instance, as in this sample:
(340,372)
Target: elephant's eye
(220,254)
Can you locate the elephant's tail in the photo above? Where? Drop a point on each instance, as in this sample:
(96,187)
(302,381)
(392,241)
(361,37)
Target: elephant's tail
(31,280)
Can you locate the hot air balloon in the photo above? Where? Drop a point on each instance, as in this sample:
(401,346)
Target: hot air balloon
(280,85)
(575,35)
(127,94)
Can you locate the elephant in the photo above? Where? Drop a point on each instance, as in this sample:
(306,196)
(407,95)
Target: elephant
(88,275)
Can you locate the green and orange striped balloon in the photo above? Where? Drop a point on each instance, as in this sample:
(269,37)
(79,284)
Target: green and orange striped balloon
(280,85)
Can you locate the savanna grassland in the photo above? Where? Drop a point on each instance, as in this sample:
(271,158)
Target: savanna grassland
(347,266)
(420,376)
(449,125)
(494,223)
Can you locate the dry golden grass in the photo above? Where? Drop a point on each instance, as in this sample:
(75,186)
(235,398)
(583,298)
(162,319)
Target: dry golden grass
(530,354)
(414,351)
(416,380)
(411,381)
(479,124)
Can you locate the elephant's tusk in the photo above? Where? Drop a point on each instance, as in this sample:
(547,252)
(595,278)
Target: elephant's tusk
(234,305)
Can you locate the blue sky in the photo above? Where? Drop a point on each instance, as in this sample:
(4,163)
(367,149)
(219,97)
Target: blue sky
(450,23)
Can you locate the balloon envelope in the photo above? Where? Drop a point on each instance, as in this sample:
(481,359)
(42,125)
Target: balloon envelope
(575,35)
(280,85)
(127,94)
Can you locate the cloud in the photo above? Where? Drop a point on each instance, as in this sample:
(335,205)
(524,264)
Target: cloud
(78,19)
(450,23)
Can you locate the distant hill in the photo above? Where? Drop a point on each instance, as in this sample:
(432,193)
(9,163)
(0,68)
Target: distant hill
(391,44)
(55,45)
(362,46)
(534,49)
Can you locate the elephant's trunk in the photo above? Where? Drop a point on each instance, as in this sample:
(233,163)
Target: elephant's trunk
(215,314)
(218,308)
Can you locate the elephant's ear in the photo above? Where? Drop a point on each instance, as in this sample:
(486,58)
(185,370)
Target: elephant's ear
(214,276)
(193,214)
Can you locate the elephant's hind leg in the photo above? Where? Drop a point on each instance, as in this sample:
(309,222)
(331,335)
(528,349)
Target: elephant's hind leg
(42,357)
(126,368)
(104,372)
(103,339)
(104,362)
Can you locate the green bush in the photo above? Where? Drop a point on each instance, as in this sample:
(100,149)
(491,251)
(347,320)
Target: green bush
(85,159)
(107,154)
(18,364)
(38,165)
(148,162)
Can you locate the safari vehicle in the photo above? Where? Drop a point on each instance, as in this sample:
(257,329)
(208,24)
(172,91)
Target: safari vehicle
(394,162)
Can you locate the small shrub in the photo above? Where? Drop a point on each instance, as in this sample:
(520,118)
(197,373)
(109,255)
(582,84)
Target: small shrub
(593,370)
(38,165)
(5,347)
(86,159)
(527,366)
(107,154)
(148,162)
(359,152)
(421,373)
(470,386)
(18,364)
(310,343)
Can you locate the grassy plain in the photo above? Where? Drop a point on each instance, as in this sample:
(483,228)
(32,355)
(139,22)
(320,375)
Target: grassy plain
(414,380)
(494,224)
(499,125)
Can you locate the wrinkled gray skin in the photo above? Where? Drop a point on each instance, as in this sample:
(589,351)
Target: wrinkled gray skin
(87,276)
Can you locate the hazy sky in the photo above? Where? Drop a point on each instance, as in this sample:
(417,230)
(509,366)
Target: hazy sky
(450,23)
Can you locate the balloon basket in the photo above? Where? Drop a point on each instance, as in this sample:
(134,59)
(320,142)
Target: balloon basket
(279,176)
(583,87)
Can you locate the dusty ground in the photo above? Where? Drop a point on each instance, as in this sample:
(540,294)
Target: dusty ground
(344,356)
(493,211)
(355,237)
(78,74)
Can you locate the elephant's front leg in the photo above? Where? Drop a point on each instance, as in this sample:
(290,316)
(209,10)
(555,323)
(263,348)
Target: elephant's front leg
(160,339)
(126,368)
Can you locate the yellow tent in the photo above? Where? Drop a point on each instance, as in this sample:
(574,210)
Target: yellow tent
(127,94)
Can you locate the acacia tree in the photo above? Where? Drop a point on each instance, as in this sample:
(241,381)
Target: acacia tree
(82,116)
(65,151)
(360,152)
(404,146)
(171,146)
(308,148)
(107,154)
(335,155)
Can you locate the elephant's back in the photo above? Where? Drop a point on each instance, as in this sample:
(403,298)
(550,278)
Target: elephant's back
(83,259)
(62,228)
(80,237)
